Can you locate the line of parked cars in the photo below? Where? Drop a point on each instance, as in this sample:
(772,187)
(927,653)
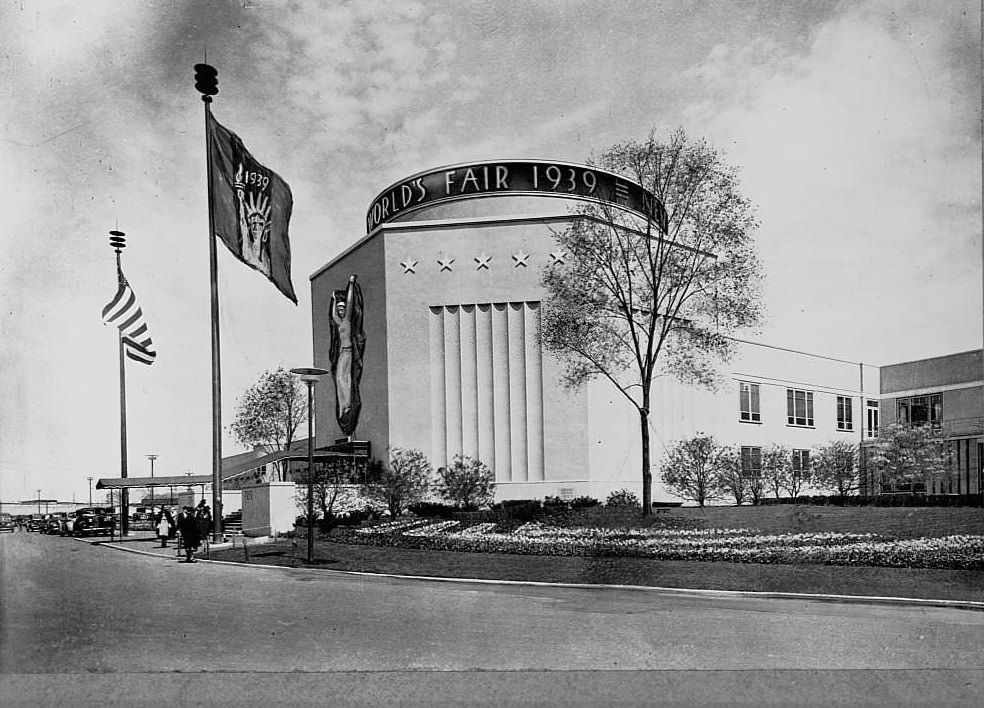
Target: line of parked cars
(87,521)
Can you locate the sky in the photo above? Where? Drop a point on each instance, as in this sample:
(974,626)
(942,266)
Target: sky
(856,126)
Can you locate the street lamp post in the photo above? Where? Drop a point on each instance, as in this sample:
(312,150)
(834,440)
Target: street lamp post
(152,458)
(90,490)
(310,376)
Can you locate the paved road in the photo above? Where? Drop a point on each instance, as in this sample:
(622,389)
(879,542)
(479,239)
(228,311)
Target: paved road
(117,628)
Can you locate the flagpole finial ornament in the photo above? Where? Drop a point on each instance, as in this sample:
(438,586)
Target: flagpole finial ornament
(206,81)
(117,241)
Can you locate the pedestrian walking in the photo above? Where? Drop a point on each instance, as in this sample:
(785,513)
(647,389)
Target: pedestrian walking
(164,524)
(188,528)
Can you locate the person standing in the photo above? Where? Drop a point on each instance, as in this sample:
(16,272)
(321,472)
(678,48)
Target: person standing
(204,516)
(188,528)
(164,524)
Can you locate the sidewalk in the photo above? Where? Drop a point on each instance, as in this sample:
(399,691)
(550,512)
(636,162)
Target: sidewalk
(147,542)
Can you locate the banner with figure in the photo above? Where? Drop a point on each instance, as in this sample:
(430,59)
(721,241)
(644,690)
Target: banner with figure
(251,207)
(347,344)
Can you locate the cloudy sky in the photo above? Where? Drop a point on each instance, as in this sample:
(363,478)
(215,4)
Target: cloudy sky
(857,126)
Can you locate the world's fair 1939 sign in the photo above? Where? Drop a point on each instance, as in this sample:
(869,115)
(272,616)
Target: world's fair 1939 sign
(515,177)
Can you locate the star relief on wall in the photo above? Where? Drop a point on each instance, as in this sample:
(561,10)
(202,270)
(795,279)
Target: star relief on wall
(445,264)
(521,258)
(409,266)
(483,261)
(557,257)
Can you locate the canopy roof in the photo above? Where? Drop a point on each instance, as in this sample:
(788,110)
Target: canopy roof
(131,482)
(237,465)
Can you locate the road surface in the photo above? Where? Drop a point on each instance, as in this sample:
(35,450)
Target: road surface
(99,626)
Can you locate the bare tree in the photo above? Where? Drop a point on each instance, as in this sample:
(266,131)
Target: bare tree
(639,298)
(269,413)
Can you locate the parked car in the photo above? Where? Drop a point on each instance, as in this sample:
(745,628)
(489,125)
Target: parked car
(57,524)
(7,523)
(35,522)
(93,521)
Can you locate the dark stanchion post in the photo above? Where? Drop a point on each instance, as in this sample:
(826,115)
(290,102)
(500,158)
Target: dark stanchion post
(310,376)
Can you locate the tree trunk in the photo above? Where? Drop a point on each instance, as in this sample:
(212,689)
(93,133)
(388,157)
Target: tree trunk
(647,475)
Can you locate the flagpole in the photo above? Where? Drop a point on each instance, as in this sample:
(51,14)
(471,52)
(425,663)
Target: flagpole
(207,83)
(117,240)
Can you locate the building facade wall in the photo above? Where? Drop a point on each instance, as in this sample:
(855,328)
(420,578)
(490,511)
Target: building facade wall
(470,374)
(454,363)
(954,383)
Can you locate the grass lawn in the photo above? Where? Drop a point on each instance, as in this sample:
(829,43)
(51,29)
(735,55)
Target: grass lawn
(798,578)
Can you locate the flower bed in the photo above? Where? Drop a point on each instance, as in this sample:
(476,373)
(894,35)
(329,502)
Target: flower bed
(730,545)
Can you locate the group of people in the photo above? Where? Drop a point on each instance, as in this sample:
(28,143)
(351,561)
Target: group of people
(192,524)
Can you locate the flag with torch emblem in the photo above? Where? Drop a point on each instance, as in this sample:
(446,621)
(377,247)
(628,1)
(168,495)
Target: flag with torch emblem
(251,207)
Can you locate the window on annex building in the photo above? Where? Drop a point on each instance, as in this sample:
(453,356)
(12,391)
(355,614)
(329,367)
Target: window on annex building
(749,402)
(845,413)
(921,410)
(801,462)
(872,429)
(751,461)
(799,407)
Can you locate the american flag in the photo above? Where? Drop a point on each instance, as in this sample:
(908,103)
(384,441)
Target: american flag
(124,312)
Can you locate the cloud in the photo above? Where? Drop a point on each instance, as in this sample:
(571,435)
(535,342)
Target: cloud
(861,153)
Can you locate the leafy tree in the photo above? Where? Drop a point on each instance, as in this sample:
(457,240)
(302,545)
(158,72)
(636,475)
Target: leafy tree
(270,412)
(835,467)
(403,482)
(692,469)
(466,482)
(907,454)
(777,468)
(638,298)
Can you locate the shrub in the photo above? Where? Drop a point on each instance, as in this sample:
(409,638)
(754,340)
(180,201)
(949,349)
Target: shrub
(430,510)
(584,502)
(622,497)
(466,482)
(404,481)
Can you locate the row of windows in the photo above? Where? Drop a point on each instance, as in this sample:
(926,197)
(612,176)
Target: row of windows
(921,410)
(751,461)
(799,408)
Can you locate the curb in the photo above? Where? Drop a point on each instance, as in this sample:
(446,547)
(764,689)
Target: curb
(693,592)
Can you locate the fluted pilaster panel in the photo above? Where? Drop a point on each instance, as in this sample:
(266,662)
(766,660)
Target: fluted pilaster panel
(469,382)
(452,378)
(438,408)
(534,392)
(486,405)
(517,391)
(500,392)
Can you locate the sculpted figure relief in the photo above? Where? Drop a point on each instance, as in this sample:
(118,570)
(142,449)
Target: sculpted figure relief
(347,344)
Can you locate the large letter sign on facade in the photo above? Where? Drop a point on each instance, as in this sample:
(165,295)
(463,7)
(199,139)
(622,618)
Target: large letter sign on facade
(515,177)
(348,342)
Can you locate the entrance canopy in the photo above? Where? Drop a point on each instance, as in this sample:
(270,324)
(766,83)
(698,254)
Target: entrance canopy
(134,482)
